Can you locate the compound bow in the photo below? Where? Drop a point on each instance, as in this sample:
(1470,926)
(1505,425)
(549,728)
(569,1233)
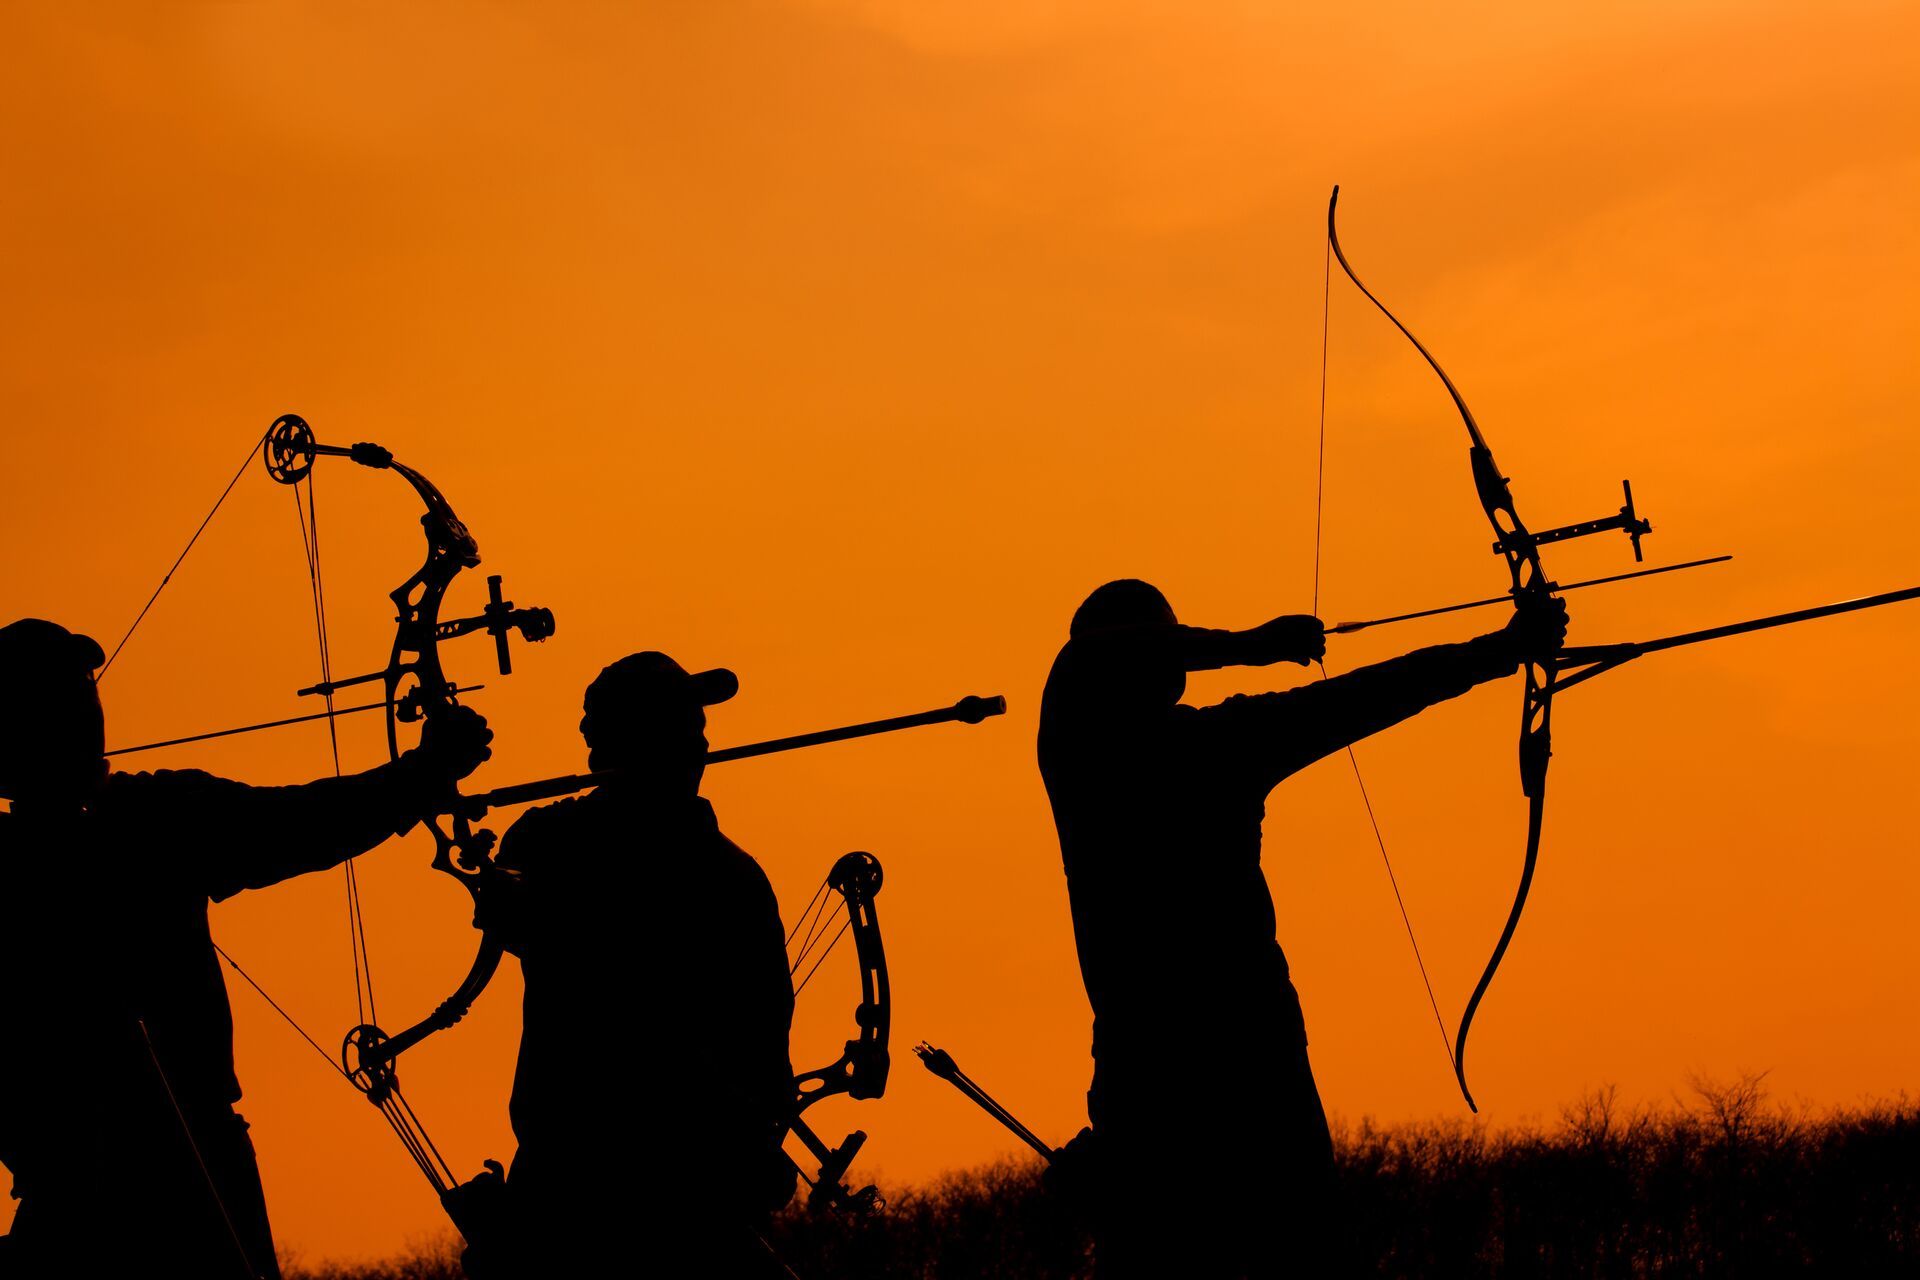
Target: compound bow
(416,689)
(860,1071)
(368,1055)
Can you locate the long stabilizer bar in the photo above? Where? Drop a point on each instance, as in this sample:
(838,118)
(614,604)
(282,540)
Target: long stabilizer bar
(970,710)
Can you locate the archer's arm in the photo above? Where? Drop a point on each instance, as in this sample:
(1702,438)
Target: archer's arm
(236,836)
(1289,638)
(239,836)
(1284,732)
(1110,680)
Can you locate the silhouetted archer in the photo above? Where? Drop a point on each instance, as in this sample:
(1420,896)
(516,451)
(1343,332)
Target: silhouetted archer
(660,990)
(122,1136)
(1159,808)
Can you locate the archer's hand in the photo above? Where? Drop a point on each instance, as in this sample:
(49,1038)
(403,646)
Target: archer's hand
(1298,637)
(453,743)
(1077,1174)
(775,1179)
(1537,629)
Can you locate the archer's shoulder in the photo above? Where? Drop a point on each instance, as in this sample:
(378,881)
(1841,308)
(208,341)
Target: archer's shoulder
(1243,704)
(1242,716)
(565,809)
(133,782)
(161,786)
(738,866)
(544,822)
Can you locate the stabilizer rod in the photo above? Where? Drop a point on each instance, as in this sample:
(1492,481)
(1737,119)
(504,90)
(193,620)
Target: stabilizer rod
(970,710)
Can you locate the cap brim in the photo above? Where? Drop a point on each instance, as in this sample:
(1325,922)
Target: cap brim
(87,651)
(715,686)
(35,642)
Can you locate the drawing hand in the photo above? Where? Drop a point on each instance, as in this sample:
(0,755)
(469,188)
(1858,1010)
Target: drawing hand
(1299,638)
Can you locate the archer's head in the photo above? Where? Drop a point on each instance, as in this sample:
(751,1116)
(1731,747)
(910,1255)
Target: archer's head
(1130,605)
(647,715)
(52,733)
(1127,602)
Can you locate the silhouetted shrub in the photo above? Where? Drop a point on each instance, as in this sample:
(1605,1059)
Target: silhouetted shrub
(1721,1185)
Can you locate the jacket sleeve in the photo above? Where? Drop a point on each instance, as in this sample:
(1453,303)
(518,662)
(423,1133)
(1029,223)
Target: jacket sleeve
(1277,734)
(1111,682)
(511,910)
(239,837)
(769,994)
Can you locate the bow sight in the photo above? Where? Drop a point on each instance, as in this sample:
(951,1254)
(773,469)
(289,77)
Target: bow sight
(1519,542)
(498,619)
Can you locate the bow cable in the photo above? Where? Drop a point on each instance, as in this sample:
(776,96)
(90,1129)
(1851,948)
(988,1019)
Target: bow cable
(815,919)
(178,560)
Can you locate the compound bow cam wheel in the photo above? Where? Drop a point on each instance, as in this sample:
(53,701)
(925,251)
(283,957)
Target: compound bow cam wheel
(288,449)
(376,1078)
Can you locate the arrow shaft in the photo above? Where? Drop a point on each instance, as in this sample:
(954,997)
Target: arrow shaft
(267,724)
(1348,628)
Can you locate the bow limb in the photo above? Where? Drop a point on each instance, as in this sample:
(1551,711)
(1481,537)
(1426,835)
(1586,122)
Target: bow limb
(368,1054)
(1496,498)
(1459,401)
(1536,807)
(862,1068)
(863,1065)
(1519,548)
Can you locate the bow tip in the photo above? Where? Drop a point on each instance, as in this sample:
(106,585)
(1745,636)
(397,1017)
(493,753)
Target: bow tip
(1467,1093)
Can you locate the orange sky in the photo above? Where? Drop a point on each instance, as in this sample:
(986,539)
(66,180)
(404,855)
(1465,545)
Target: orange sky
(848,344)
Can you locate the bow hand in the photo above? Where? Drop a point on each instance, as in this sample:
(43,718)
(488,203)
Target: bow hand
(1537,630)
(454,741)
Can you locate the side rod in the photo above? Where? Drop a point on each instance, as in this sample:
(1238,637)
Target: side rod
(970,710)
(1594,659)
